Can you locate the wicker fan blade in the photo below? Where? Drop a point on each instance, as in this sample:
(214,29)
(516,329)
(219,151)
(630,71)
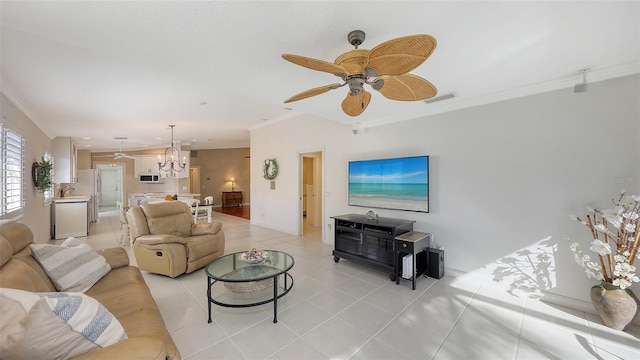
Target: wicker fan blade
(401,55)
(314,64)
(354,105)
(405,87)
(353,61)
(312,92)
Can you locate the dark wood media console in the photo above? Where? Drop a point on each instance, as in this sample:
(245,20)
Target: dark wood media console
(369,242)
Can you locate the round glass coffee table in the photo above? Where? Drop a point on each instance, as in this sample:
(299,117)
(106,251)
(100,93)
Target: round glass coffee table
(246,283)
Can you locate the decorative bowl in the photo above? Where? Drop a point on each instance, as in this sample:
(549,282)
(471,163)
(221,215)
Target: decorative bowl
(254,256)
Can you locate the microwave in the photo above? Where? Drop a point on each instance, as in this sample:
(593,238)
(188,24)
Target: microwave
(150,178)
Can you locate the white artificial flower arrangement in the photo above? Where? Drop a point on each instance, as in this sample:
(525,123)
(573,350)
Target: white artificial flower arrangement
(615,240)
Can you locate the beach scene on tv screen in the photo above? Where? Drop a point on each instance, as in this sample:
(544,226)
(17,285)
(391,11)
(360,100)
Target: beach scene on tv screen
(401,183)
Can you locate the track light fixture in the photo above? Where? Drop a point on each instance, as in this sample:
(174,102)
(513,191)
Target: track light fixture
(581,87)
(357,128)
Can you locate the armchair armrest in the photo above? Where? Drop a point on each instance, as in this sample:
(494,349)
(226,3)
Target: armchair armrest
(116,257)
(205,228)
(159,239)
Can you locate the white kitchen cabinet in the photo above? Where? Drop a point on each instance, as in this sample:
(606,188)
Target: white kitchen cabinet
(69,218)
(65,159)
(146,165)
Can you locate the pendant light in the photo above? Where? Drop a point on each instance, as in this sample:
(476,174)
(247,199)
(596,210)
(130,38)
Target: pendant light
(172,162)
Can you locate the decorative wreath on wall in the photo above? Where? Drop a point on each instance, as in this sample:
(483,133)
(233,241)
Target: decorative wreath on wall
(270,169)
(41,174)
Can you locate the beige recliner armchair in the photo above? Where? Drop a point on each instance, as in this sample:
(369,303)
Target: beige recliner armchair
(167,241)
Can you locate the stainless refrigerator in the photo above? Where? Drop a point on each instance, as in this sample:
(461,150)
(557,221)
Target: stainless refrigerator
(89,184)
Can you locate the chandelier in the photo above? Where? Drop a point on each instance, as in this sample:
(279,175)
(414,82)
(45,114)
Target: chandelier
(171,162)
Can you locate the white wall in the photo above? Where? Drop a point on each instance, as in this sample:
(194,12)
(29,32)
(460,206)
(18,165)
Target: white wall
(280,208)
(504,177)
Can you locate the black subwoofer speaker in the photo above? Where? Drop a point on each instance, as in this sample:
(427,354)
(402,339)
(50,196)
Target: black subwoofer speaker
(435,267)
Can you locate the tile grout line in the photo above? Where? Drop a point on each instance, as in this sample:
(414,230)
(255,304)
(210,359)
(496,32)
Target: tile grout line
(466,307)
(526,303)
(392,319)
(590,327)
(300,336)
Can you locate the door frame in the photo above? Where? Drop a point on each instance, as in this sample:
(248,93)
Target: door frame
(319,189)
(121,171)
(195,171)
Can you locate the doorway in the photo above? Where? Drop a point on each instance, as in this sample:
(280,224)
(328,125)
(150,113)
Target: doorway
(310,194)
(111,185)
(194,180)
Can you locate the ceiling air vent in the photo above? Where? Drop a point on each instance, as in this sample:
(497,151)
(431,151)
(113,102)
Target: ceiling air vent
(440,98)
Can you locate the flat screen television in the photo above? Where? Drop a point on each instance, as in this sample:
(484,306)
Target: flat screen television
(397,183)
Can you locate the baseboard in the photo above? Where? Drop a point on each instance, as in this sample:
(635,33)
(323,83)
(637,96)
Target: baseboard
(270,226)
(453,272)
(576,304)
(569,302)
(550,298)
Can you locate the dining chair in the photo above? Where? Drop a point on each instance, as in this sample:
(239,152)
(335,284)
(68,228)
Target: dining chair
(124,226)
(193,204)
(204,211)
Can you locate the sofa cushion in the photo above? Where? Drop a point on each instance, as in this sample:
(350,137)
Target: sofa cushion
(205,228)
(18,269)
(169,217)
(116,257)
(125,294)
(6,251)
(71,266)
(54,325)
(17,234)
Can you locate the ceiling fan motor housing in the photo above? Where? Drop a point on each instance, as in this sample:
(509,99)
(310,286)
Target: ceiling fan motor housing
(356,84)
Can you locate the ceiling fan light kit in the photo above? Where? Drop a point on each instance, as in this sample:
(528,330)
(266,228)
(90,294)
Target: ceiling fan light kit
(385,68)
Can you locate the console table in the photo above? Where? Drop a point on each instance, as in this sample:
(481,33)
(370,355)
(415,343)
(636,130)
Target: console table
(231,198)
(369,242)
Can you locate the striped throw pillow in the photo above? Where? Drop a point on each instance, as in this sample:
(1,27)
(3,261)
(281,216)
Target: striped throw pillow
(85,315)
(54,325)
(71,266)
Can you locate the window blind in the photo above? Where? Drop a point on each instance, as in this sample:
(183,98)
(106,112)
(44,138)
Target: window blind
(48,194)
(12,199)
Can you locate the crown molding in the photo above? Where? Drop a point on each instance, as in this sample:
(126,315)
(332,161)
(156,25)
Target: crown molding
(459,103)
(9,90)
(288,115)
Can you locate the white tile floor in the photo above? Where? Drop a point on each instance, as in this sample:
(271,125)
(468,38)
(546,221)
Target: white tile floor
(346,311)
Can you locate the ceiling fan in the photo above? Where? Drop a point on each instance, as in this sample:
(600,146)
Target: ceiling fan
(385,68)
(120,155)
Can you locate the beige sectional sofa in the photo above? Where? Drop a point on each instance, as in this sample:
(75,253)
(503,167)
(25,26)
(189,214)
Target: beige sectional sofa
(122,291)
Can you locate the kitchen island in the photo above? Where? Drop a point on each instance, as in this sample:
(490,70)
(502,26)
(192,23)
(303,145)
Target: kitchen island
(136,198)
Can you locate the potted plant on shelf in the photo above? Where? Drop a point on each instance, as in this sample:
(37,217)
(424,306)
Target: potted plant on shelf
(615,241)
(41,173)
